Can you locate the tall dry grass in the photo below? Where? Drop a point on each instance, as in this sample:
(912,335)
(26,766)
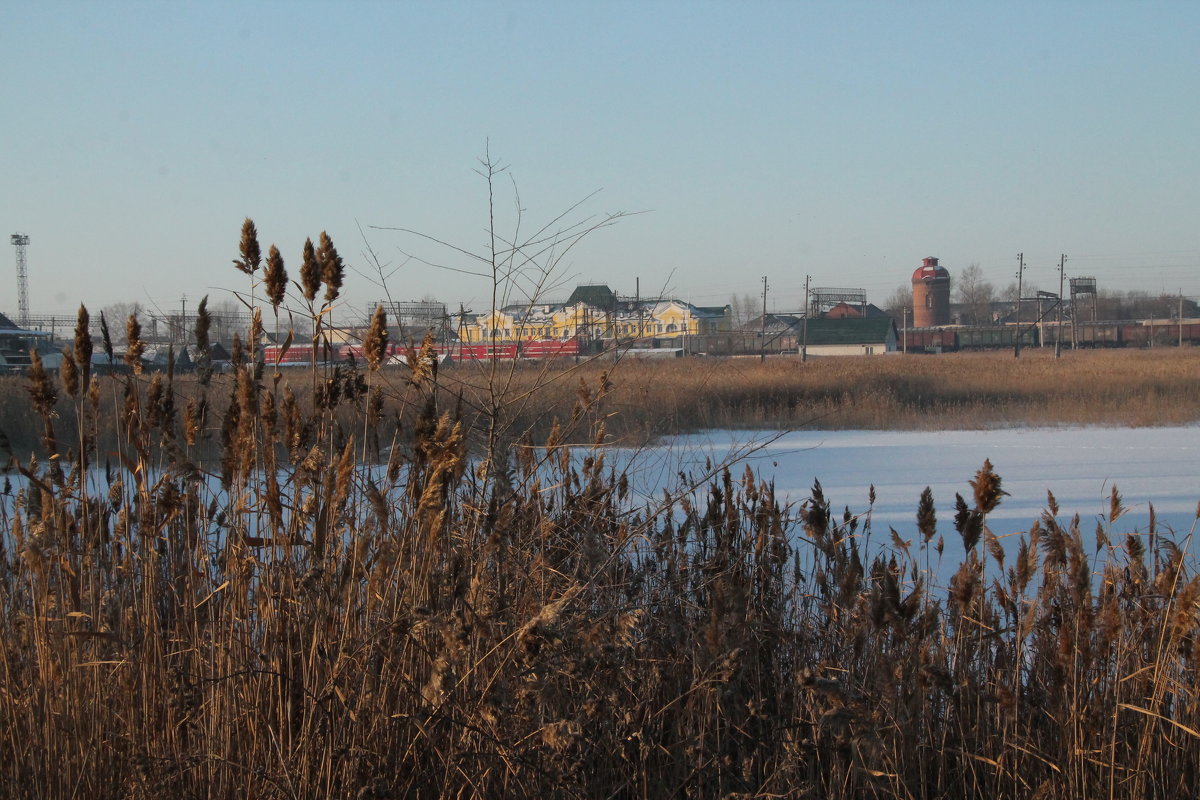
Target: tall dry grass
(654,399)
(951,391)
(345,601)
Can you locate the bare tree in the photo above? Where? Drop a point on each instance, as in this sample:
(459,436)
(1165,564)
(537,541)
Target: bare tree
(117,313)
(899,300)
(975,294)
(744,309)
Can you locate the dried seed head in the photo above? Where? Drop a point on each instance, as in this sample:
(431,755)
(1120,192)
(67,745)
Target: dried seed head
(310,272)
(193,419)
(927,515)
(256,328)
(237,355)
(68,373)
(251,253)
(135,346)
(203,347)
(83,344)
(376,340)
(332,268)
(968,522)
(1115,509)
(987,488)
(275,277)
(106,338)
(41,390)
(154,396)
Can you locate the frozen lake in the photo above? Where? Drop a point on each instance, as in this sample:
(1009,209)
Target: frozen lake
(1079,465)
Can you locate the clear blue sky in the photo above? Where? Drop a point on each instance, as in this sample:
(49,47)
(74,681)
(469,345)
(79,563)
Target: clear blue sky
(841,140)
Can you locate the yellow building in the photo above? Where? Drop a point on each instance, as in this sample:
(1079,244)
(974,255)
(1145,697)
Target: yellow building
(594,313)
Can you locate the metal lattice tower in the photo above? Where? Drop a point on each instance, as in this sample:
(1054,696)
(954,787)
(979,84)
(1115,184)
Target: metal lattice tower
(21,241)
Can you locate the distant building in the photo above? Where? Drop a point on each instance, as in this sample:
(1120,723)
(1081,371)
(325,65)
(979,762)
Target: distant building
(783,332)
(851,336)
(845,310)
(15,344)
(931,294)
(595,313)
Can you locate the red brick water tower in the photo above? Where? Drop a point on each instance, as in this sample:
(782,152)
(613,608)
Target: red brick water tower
(931,294)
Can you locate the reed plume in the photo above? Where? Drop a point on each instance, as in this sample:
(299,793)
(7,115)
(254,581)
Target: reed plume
(376,341)
(204,365)
(44,397)
(68,373)
(134,346)
(332,268)
(106,338)
(310,272)
(83,344)
(249,249)
(275,278)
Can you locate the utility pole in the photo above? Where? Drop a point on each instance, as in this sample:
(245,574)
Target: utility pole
(637,294)
(1062,263)
(807,308)
(1180,320)
(762,341)
(1041,325)
(904,328)
(1020,277)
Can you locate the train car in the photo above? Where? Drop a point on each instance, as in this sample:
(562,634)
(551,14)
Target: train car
(928,340)
(1085,334)
(484,352)
(995,338)
(299,355)
(395,354)
(1167,332)
(1095,334)
(550,348)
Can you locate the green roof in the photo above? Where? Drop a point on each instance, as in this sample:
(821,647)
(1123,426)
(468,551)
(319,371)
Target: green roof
(852,330)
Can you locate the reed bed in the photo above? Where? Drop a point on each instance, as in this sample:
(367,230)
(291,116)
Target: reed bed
(646,400)
(945,392)
(346,601)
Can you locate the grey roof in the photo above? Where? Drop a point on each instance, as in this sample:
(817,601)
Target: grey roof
(595,295)
(775,323)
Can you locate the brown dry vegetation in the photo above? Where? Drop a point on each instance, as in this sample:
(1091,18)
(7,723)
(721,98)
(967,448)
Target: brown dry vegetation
(649,399)
(951,391)
(280,621)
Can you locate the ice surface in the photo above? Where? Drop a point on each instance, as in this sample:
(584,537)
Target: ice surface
(1079,465)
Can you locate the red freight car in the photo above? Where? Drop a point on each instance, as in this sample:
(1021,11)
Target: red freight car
(928,340)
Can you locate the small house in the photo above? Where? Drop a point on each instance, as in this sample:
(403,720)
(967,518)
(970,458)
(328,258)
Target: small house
(851,336)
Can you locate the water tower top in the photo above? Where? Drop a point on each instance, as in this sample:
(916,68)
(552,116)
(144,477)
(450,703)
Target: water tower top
(930,270)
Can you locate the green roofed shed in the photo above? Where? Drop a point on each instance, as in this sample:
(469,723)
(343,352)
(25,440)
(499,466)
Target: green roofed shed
(851,336)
